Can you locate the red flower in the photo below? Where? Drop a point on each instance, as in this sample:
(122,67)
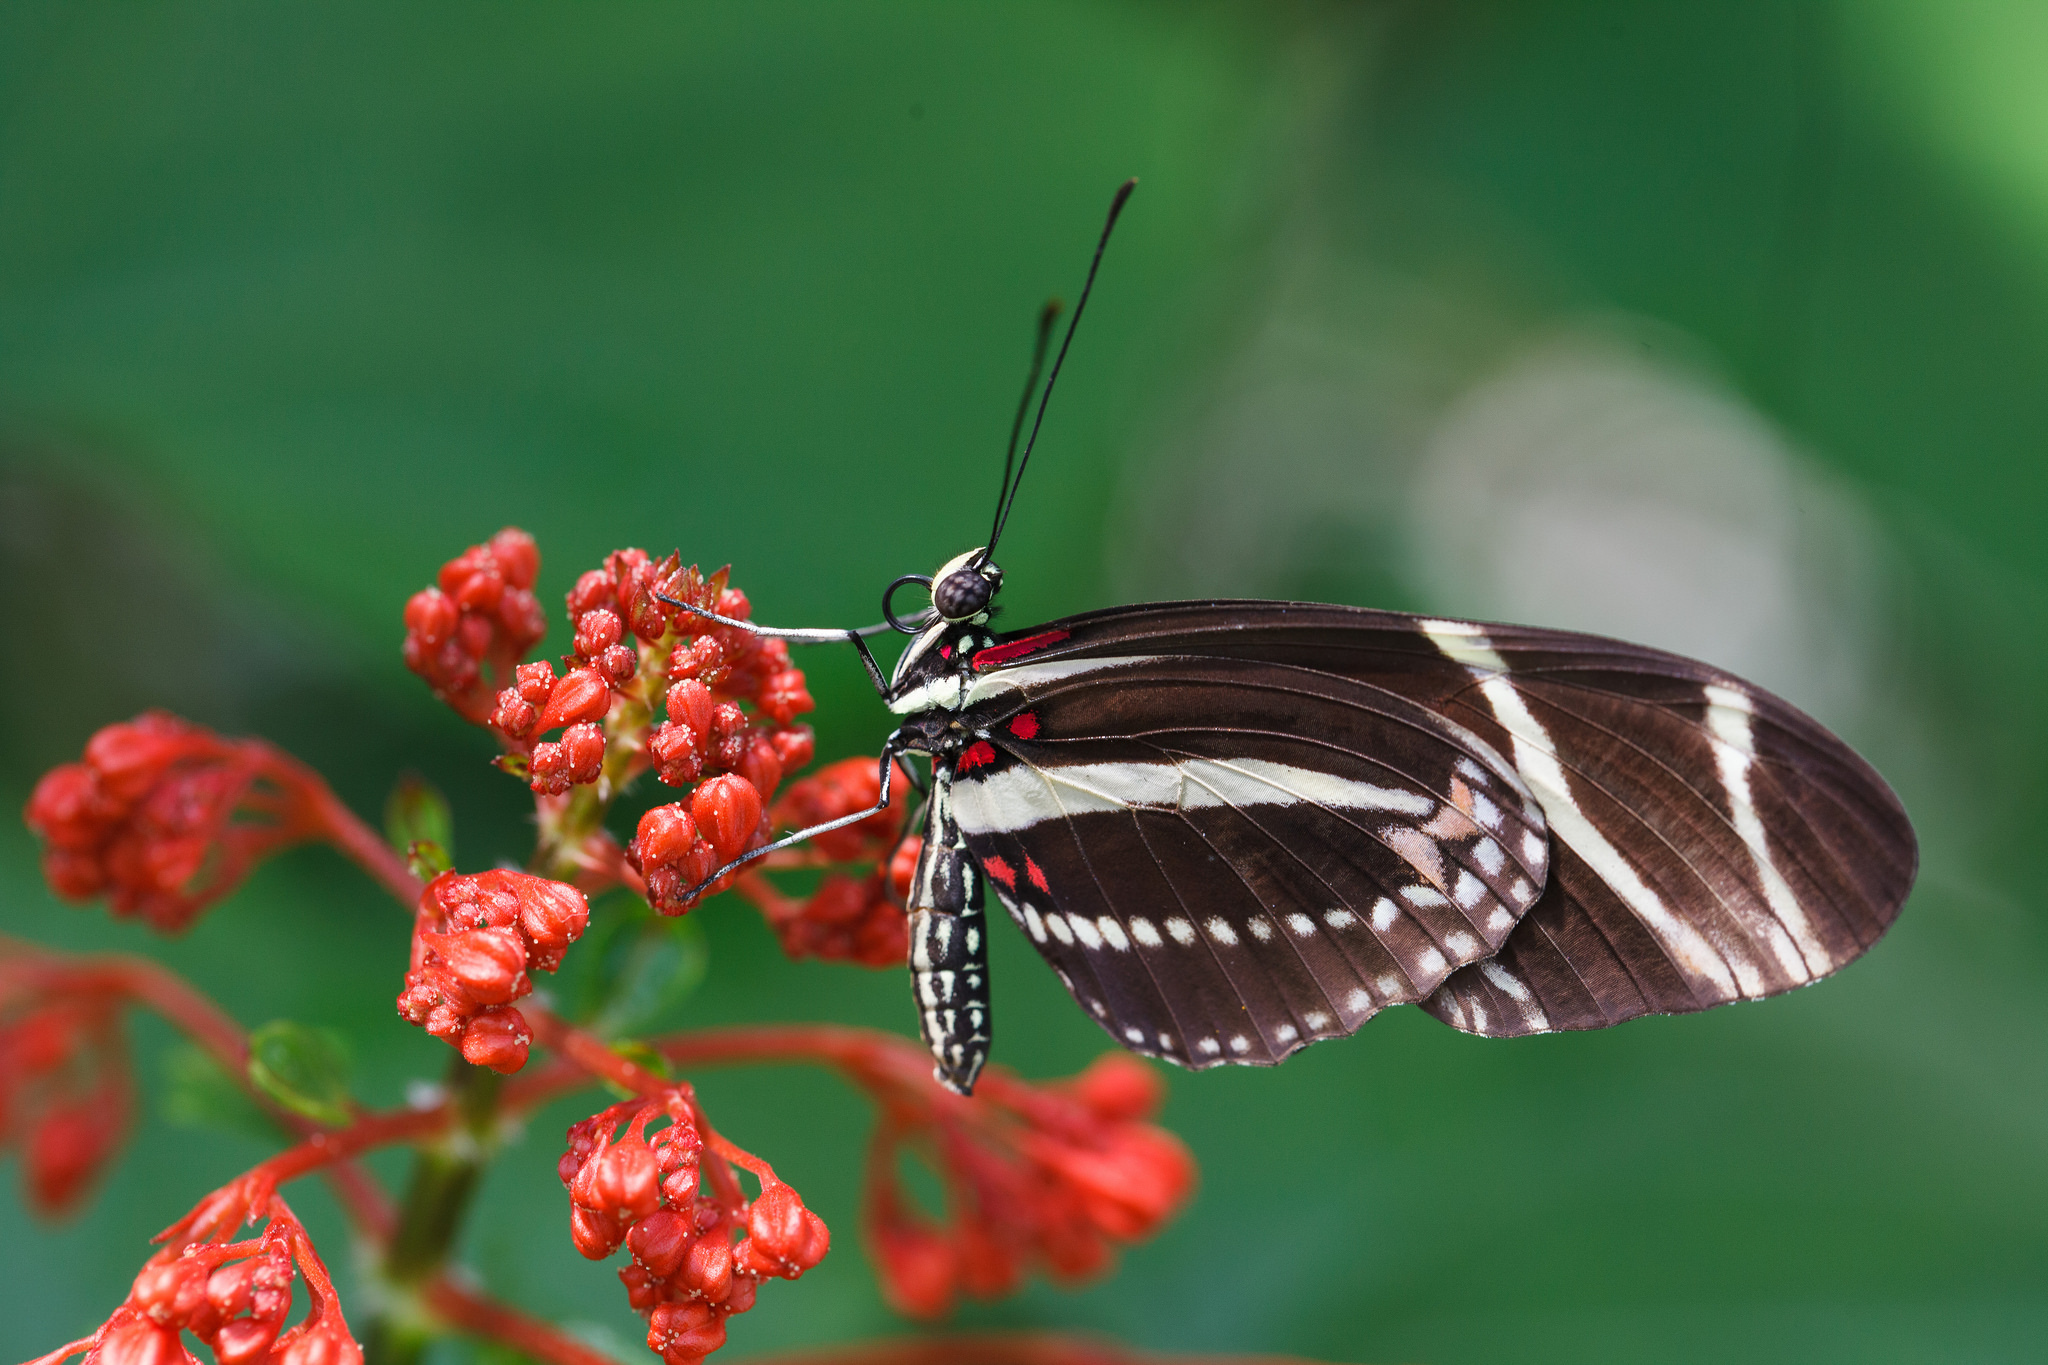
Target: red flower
(465,634)
(164,817)
(234,1296)
(1037,1177)
(475,940)
(699,1250)
(66,1093)
(848,918)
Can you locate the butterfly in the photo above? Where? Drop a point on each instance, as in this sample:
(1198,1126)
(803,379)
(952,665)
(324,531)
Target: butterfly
(1235,828)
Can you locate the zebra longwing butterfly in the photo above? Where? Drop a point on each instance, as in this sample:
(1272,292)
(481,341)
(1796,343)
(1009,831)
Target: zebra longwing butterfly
(1236,828)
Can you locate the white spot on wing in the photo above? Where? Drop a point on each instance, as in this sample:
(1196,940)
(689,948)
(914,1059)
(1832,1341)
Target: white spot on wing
(1500,921)
(1144,931)
(1358,1002)
(1058,924)
(1113,934)
(1533,848)
(1316,1020)
(1033,923)
(1286,1033)
(1134,1035)
(1431,961)
(1301,924)
(1240,1044)
(1182,931)
(1339,919)
(1220,930)
(1423,895)
(1261,927)
(1485,812)
(1084,929)
(1462,943)
(1209,1046)
(1384,913)
(1487,853)
(1469,891)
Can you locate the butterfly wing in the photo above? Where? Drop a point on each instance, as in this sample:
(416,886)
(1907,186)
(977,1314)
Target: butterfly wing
(1707,841)
(1228,860)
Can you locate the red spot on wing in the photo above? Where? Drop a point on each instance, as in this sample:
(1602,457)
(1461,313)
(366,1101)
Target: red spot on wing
(1024,726)
(1036,873)
(1017,649)
(999,868)
(977,755)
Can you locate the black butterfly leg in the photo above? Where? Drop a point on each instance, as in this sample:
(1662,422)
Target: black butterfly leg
(949,947)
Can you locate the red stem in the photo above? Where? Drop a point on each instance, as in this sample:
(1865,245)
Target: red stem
(1025,1348)
(356,840)
(158,988)
(480,1316)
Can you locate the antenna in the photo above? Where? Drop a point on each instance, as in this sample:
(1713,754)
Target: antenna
(1009,498)
(1046,317)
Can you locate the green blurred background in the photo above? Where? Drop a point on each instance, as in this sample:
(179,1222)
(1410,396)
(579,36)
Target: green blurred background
(1720,325)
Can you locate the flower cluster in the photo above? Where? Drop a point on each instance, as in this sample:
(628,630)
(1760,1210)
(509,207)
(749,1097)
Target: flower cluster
(849,917)
(699,1249)
(464,634)
(1038,1177)
(476,939)
(234,1297)
(65,1088)
(165,817)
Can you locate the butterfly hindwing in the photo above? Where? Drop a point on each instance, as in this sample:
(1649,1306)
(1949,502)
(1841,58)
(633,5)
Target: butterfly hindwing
(1227,860)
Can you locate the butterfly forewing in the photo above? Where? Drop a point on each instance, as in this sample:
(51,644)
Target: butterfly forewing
(1171,765)
(1717,844)
(1226,859)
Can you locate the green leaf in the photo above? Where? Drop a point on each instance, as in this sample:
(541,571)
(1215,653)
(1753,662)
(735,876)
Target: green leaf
(427,859)
(416,813)
(642,1055)
(199,1093)
(644,965)
(304,1069)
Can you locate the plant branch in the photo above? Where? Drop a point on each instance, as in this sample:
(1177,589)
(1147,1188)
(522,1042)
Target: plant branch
(356,840)
(478,1315)
(1023,1348)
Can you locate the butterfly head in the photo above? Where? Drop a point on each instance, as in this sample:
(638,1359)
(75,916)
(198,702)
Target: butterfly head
(964,586)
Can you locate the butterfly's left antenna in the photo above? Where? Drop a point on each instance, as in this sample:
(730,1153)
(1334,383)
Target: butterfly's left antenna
(1046,317)
(1009,493)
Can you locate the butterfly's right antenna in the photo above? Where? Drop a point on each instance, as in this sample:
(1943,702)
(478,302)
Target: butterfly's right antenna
(1046,317)
(1009,495)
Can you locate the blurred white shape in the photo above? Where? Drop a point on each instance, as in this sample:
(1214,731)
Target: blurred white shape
(1593,484)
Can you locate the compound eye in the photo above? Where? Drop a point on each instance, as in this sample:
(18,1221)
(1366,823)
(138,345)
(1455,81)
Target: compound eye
(961,594)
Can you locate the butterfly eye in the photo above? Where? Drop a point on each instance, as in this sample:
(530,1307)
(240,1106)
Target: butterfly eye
(962,594)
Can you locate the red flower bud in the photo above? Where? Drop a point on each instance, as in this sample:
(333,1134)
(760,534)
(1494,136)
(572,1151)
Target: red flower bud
(489,964)
(919,1269)
(498,1039)
(682,1333)
(728,813)
(597,1234)
(593,590)
(598,630)
(580,696)
(795,747)
(760,766)
(660,1240)
(517,556)
(431,616)
(707,1268)
(535,681)
(783,1237)
(142,1343)
(1120,1088)
(664,834)
(553,916)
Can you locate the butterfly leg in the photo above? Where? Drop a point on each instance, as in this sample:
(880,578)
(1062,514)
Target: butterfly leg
(802,637)
(949,948)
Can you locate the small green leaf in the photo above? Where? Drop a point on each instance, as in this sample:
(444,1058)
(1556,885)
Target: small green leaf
(644,965)
(304,1069)
(199,1093)
(417,813)
(427,859)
